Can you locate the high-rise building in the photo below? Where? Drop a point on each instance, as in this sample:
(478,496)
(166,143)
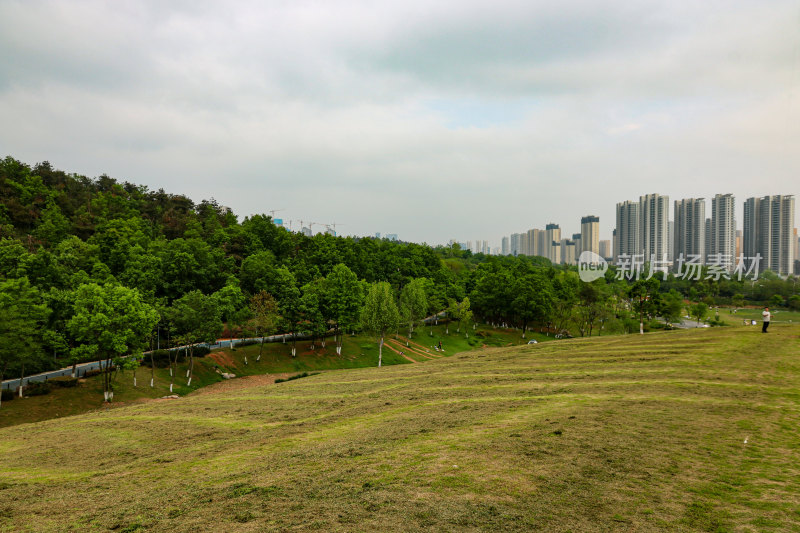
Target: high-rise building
(707,233)
(590,234)
(627,233)
(515,243)
(576,238)
(723,230)
(505,246)
(769,231)
(553,243)
(690,229)
(654,214)
(569,252)
(605,249)
(531,239)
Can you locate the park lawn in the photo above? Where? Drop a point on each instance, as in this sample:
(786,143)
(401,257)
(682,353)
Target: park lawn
(682,431)
(358,352)
(779,316)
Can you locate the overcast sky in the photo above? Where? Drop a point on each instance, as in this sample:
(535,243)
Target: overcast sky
(430,119)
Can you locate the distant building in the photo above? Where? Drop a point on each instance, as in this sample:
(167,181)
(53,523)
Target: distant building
(654,213)
(568,252)
(605,249)
(553,243)
(391,236)
(723,229)
(306,231)
(590,235)
(627,233)
(768,230)
(689,237)
(377,234)
(505,246)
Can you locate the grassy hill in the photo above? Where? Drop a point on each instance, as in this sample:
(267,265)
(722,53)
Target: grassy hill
(357,352)
(684,431)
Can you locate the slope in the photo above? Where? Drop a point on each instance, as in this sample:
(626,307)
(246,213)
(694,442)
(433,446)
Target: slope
(692,430)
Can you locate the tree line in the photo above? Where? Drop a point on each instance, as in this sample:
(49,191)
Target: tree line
(93,269)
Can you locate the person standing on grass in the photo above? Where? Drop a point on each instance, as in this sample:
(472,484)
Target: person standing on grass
(766,316)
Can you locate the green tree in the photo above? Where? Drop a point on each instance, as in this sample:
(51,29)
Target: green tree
(380,313)
(345,296)
(642,293)
(110,322)
(699,311)
(265,315)
(196,318)
(311,310)
(532,300)
(22,314)
(460,312)
(413,303)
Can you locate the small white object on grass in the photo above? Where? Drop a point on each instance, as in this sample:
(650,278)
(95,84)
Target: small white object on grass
(745,439)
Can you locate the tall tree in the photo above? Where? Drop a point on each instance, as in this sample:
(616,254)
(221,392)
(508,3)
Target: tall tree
(196,318)
(110,322)
(265,315)
(22,314)
(413,303)
(380,313)
(345,298)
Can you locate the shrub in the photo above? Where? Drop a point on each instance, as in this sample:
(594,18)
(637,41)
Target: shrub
(64,382)
(201,351)
(7,395)
(91,373)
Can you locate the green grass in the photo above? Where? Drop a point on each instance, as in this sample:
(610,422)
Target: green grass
(779,316)
(610,433)
(358,352)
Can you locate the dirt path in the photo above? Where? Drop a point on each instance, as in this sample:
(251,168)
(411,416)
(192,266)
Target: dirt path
(398,352)
(243,382)
(414,351)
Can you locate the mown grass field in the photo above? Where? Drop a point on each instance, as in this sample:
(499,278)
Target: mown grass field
(674,431)
(357,352)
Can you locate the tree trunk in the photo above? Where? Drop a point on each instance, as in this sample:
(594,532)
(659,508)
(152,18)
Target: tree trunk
(641,327)
(74,369)
(380,352)
(21,376)
(191,365)
(152,370)
(260,349)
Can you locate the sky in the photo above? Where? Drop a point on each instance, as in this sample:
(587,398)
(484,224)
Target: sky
(465,120)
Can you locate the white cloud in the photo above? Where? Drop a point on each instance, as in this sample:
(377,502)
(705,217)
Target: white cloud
(431,120)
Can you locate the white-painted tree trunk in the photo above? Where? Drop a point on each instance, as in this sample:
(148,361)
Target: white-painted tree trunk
(170,387)
(152,383)
(258,358)
(20,390)
(189,383)
(134,382)
(380,353)
(294,352)
(105,395)
(245,359)
(187,372)
(170,370)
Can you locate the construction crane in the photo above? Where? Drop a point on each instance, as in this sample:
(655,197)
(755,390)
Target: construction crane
(273,211)
(332,227)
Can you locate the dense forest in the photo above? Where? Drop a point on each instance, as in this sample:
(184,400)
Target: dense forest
(94,268)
